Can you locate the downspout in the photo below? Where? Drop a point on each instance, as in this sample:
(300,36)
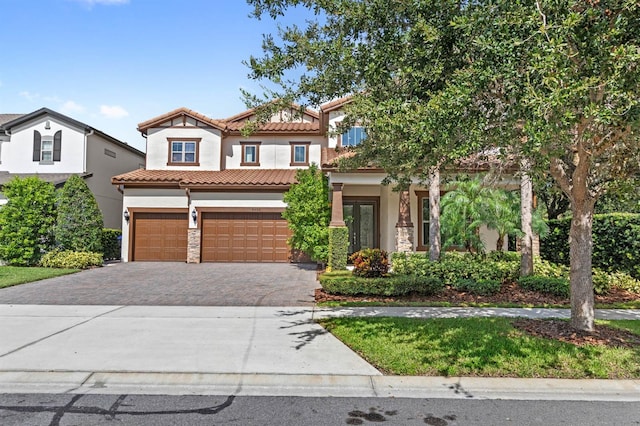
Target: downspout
(84,153)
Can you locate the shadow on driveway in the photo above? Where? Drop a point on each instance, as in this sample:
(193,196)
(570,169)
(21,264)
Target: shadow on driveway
(174,284)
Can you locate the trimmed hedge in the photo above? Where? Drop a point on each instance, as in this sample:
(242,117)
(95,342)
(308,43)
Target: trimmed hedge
(345,283)
(111,243)
(71,259)
(616,242)
(549,285)
(338,248)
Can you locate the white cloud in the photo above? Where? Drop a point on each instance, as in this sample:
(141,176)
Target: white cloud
(29,96)
(70,107)
(113,111)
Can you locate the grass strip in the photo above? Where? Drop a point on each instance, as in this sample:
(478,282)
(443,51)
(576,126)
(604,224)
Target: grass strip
(489,347)
(14,275)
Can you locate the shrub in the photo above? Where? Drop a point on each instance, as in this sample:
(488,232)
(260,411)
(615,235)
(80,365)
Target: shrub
(79,223)
(111,243)
(71,259)
(370,263)
(338,248)
(616,242)
(602,281)
(480,287)
(624,281)
(345,283)
(26,221)
(545,268)
(543,284)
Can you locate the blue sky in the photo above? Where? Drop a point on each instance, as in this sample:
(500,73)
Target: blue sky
(115,63)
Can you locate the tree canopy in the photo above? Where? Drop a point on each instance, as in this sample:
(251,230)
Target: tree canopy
(554,82)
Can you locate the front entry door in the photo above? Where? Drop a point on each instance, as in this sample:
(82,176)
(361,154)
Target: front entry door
(361,218)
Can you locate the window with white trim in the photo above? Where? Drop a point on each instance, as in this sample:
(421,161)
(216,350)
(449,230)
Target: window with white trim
(354,136)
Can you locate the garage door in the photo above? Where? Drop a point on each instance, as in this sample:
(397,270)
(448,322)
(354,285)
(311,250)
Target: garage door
(160,236)
(244,237)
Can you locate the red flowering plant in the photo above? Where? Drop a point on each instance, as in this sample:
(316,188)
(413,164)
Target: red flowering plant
(370,263)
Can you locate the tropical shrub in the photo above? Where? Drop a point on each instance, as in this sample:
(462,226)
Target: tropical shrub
(616,242)
(308,213)
(338,248)
(370,263)
(26,221)
(549,285)
(111,243)
(69,259)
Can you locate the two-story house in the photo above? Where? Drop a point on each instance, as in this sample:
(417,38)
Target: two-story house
(210,194)
(54,147)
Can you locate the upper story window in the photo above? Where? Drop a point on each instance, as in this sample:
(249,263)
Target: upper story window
(47,149)
(300,153)
(184,151)
(250,153)
(354,136)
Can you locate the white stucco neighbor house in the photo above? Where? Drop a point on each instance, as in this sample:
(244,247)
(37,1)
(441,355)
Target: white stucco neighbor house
(210,194)
(54,147)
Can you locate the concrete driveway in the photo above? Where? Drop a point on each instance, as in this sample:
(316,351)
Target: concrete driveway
(174,284)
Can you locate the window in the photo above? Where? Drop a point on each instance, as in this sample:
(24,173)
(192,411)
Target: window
(353,136)
(184,151)
(250,153)
(300,153)
(424,217)
(46,149)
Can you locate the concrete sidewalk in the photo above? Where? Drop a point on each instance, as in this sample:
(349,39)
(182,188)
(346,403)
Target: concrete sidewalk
(239,351)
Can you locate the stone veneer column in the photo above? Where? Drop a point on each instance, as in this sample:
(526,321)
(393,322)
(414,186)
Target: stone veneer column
(404,227)
(337,215)
(193,245)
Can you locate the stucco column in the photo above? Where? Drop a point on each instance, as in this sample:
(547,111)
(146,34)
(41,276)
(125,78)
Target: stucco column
(337,215)
(404,227)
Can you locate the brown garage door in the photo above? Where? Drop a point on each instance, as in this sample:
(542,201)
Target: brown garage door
(160,236)
(244,237)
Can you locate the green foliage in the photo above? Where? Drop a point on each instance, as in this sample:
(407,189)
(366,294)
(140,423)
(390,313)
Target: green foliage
(26,221)
(457,266)
(543,284)
(79,224)
(616,242)
(308,213)
(338,248)
(621,197)
(111,243)
(69,259)
(370,263)
(393,285)
(480,287)
(549,269)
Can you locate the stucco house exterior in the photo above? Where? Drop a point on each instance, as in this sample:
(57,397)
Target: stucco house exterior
(54,147)
(210,194)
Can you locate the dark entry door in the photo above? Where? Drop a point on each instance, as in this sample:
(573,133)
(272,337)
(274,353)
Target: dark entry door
(361,218)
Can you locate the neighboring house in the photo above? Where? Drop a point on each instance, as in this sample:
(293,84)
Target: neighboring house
(54,147)
(210,194)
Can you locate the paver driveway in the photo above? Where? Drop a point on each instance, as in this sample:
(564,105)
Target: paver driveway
(174,284)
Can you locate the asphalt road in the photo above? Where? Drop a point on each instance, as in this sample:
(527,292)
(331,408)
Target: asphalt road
(158,410)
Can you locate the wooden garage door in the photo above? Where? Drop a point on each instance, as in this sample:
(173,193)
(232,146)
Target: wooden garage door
(244,237)
(160,236)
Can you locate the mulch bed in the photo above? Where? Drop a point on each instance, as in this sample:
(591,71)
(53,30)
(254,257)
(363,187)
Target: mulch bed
(512,293)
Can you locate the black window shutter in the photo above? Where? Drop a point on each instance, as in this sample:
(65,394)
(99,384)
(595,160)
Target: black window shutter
(37,143)
(57,145)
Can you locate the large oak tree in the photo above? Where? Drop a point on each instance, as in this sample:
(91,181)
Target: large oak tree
(552,82)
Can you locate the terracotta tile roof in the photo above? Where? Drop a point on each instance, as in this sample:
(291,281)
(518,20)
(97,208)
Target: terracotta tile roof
(285,126)
(250,112)
(335,104)
(230,178)
(220,124)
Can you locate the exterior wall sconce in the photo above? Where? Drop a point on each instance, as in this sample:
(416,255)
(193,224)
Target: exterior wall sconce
(194,215)
(47,125)
(126,216)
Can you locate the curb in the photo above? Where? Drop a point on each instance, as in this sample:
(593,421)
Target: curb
(78,382)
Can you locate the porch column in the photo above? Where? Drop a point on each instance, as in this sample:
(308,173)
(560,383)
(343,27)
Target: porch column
(337,215)
(404,227)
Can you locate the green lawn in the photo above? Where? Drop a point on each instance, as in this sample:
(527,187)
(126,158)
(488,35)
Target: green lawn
(14,275)
(489,347)
(634,304)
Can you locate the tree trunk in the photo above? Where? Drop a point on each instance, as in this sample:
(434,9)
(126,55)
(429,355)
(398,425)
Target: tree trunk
(434,212)
(580,250)
(500,243)
(526,206)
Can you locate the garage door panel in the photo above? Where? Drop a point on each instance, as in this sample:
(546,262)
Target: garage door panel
(244,237)
(160,236)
